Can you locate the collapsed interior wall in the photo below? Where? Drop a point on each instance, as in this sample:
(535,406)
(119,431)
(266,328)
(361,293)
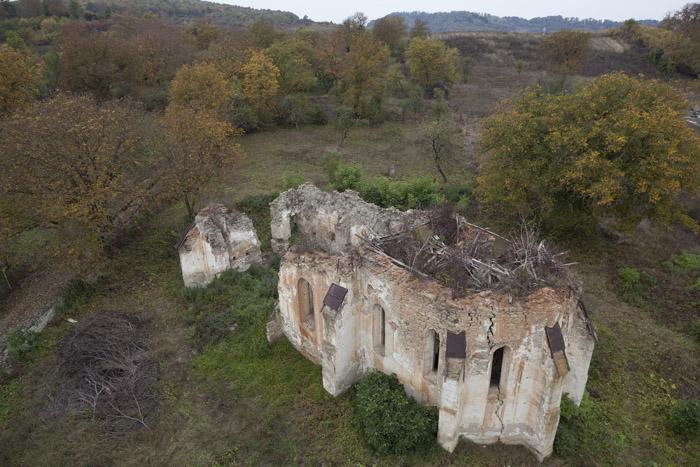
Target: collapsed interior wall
(332,222)
(484,358)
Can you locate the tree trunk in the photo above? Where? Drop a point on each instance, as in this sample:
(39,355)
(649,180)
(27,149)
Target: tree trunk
(437,164)
(189,205)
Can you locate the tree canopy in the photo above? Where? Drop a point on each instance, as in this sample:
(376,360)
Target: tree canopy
(78,166)
(617,147)
(20,79)
(432,63)
(565,51)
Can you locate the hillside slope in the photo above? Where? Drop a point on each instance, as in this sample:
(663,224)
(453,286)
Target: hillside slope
(456,21)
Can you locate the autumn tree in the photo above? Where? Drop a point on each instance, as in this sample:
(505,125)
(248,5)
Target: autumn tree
(390,30)
(20,79)
(200,87)
(78,167)
(292,59)
(260,83)
(204,33)
(437,131)
(419,29)
(199,140)
(135,57)
(362,74)
(264,33)
(197,147)
(93,61)
(565,51)
(431,63)
(617,147)
(682,46)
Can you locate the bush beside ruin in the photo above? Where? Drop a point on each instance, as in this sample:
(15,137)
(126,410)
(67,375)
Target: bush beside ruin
(390,421)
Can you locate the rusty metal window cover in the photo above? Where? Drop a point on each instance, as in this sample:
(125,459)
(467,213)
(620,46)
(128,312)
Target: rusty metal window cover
(335,296)
(555,339)
(557,347)
(456,345)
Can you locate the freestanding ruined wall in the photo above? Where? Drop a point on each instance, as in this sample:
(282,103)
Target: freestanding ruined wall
(495,365)
(219,239)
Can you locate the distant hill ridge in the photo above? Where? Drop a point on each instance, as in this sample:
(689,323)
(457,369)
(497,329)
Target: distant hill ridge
(459,21)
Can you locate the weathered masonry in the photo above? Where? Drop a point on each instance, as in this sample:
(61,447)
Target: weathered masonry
(494,362)
(219,239)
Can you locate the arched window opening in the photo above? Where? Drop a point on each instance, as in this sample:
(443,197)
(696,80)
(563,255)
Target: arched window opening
(379,329)
(306,304)
(497,368)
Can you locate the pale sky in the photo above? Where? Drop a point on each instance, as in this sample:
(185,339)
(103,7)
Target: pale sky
(336,11)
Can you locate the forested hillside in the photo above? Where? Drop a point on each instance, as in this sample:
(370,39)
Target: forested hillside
(178,10)
(458,21)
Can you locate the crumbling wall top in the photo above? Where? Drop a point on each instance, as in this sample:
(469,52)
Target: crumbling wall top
(332,221)
(215,223)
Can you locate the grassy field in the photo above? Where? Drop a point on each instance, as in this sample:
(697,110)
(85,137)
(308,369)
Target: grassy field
(240,402)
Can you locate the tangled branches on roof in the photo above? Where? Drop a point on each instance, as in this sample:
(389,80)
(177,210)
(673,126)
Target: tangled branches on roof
(464,256)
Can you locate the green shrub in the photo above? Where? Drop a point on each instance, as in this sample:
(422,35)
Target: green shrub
(234,302)
(687,261)
(290,181)
(632,286)
(694,331)
(684,418)
(76,294)
(330,162)
(21,344)
(412,193)
(391,422)
(628,278)
(347,177)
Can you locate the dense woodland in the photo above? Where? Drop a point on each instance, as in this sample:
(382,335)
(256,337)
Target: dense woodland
(119,120)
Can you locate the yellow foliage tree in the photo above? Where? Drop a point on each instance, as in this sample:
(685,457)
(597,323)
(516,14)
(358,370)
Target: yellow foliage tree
(20,79)
(200,87)
(432,63)
(618,147)
(362,72)
(261,83)
(198,139)
(565,51)
(199,145)
(77,166)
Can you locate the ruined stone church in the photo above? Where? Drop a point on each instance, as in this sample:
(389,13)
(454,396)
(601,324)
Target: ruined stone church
(490,330)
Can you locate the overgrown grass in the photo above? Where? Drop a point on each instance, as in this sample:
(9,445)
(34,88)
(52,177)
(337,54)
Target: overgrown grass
(234,302)
(257,207)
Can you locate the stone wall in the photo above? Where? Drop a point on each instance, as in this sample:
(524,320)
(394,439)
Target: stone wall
(522,409)
(219,239)
(392,321)
(332,222)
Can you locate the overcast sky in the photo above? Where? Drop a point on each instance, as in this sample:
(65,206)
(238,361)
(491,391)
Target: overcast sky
(327,10)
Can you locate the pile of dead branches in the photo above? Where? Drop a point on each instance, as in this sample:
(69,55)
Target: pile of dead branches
(106,371)
(462,256)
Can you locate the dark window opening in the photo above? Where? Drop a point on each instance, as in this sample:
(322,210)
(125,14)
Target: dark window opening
(496,367)
(436,351)
(383,326)
(379,329)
